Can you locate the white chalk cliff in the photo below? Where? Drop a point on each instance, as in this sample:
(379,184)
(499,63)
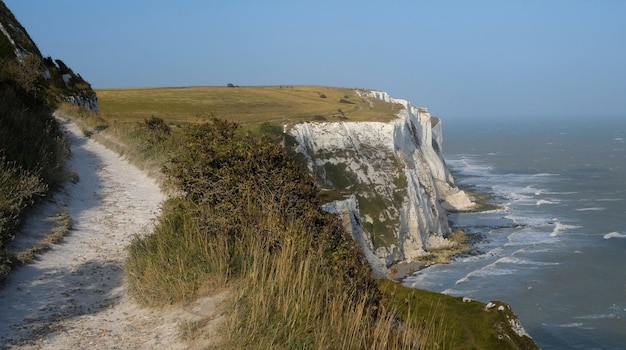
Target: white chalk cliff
(397,182)
(23,46)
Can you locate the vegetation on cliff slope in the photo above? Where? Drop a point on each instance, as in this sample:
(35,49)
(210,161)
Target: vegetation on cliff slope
(250,222)
(33,150)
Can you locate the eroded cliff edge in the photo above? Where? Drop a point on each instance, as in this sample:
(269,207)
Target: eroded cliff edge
(392,179)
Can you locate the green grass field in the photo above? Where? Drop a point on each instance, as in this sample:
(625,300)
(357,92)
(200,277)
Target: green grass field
(244,105)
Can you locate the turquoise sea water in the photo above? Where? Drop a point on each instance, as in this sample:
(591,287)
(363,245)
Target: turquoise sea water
(556,251)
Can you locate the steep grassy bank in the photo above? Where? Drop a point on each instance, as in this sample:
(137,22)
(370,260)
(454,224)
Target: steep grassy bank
(32,150)
(250,223)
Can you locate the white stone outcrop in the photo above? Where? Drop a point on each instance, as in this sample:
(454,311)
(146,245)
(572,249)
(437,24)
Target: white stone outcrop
(397,177)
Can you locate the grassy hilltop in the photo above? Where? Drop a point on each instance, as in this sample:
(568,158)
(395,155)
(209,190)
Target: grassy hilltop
(243,105)
(250,223)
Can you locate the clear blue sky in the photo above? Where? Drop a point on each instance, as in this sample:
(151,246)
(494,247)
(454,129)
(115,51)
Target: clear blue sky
(460,59)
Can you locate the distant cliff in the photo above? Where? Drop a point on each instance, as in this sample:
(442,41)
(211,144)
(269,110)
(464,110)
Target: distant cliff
(397,184)
(51,77)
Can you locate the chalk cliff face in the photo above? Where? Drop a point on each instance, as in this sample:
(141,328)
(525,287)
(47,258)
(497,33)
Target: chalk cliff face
(58,79)
(397,184)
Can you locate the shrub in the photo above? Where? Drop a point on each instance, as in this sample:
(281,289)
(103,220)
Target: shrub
(157,125)
(19,189)
(233,175)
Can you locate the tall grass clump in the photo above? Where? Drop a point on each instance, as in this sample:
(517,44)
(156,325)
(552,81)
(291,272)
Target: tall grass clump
(250,221)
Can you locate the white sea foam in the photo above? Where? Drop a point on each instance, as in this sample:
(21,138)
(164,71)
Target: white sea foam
(533,221)
(457,292)
(519,195)
(547,201)
(591,209)
(596,316)
(546,174)
(462,280)
(570,325)
(614,235)
(486,271)
(469,166)
(559,228)
(518,261)
(519,251)
(561,193)
(539,238)
(530,189)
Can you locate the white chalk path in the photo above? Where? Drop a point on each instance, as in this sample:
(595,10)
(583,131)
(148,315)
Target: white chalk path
(73,296)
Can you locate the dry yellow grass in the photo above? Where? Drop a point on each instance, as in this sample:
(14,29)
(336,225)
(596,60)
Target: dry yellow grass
(244,105)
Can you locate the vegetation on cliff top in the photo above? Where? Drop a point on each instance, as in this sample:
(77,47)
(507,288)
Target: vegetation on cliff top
(250,222)
(276,105)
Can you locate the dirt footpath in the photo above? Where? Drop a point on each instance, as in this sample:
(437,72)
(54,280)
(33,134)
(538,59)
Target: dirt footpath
(73,296)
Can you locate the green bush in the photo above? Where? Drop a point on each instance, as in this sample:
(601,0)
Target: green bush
(232,174)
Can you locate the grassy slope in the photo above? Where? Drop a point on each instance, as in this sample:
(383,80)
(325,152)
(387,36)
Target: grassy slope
(461,325)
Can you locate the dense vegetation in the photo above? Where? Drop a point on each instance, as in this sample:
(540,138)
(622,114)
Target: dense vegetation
(249,222)
(33,150)
(32,147)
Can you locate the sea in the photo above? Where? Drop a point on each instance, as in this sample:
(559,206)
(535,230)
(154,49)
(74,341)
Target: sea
(555,250)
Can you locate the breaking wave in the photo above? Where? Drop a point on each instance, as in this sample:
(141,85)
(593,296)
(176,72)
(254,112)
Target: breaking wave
(614,235)
(547,201)
(559,228)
